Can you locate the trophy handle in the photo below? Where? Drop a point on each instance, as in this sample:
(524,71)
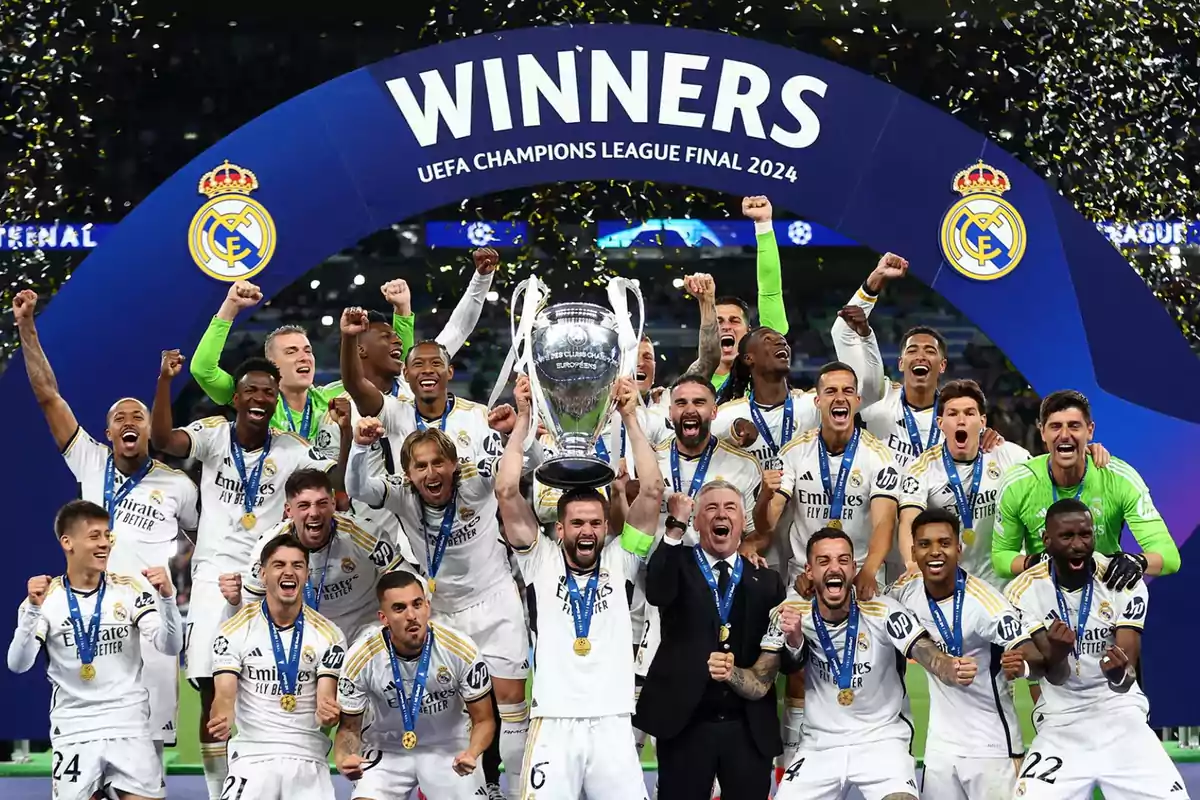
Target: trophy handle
(618,290)
(520,352)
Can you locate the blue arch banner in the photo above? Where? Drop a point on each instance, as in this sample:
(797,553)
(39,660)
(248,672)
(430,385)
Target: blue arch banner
(465,118)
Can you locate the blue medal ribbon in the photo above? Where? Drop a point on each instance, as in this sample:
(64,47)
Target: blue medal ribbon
(113,497)
(395,391)
(965,500)
(249,482)
(764,430)
(1054,487)
(1085,605)
(910,424)
(305,420)
(952,637)
(581,602)
(701,467)
(602,446)
(434,554)
(837,492)
(312,598)
(87,640)
(724,604)
(842,671)
(442,422)
(287,664)
(410,706)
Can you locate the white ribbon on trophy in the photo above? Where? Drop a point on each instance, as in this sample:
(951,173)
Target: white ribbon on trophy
(618,299)
(520,353)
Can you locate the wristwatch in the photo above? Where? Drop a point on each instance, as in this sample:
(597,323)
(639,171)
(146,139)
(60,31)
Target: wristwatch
(674,523)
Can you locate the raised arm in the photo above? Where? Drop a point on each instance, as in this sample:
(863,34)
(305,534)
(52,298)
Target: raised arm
(768,507)
(466,314)
(520,524)
(160,623)
(771,312)
(366,396)
(397,294)
(216,382)
(708,358)
(163,433)
(853,340)
(883,532)
(644,510)
(360,483)
(31,627)
(41,378)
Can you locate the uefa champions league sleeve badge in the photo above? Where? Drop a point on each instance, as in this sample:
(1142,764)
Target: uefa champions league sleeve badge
(983,236)
(232,237)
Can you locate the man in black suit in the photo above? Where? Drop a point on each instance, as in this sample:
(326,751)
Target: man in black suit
(709,695)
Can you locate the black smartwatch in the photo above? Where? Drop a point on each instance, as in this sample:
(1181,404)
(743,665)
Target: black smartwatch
(674,523)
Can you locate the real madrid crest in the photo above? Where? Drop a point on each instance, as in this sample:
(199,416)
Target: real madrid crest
(1106,611)
(348,565)
(993,470)
(309,654)
(983,236)
(120,613)
(864,644)
(856,478)
(232,237)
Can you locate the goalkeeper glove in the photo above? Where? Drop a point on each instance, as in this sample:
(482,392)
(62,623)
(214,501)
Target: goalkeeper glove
(1124,570)
(1033,559)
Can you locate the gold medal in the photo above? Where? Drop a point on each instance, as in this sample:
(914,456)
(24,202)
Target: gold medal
(409,740)
(968,536)
(432,585)
(249,520)
(836,524)
(582,646)
(288,703)
(87,672)
(724,633)
(845,697)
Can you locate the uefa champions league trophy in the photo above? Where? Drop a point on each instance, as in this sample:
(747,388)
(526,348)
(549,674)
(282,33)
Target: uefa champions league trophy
(573,354)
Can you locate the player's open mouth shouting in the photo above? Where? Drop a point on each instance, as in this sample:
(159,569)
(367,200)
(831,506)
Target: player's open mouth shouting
(721,528)
(257,414)
(835,588)
(840,412)
(690,426)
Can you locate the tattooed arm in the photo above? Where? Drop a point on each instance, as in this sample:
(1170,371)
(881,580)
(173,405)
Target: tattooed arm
(708,359)
(755,682)
(948,669)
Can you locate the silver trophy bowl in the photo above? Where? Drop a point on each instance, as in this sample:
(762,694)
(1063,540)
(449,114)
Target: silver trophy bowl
(577,357)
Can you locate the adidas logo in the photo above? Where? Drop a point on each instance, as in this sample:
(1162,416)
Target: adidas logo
(255,653)
(1176,787)
(806,476)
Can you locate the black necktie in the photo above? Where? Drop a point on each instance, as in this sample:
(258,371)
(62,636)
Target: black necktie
(723,578)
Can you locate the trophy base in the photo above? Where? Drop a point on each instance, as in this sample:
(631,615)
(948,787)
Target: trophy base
(575,472)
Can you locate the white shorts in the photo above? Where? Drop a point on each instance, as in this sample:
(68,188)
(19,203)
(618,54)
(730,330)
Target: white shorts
(160,674)
(277,778)
(497,626)
(1118,753)
(949,777)
(391,776)
(207,611)
(127,765)
(594,757)
(876,769)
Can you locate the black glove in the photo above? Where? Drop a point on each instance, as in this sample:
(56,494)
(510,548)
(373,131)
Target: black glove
(1033,559)
(1124,570)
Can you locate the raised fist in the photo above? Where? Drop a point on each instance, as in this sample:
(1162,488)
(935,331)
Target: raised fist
(398,296)
(626,394)
(230,585)
(37,588)
(523,394)
(160,579)
(172,364)
(757,208)
(679,506)
(701,286)
(891,266)
(502,418)
(772,479)
(856,318)
(368,431)
(354,321)
(743,433)
(339,412)
(24,304)
(243,294)
(486,260)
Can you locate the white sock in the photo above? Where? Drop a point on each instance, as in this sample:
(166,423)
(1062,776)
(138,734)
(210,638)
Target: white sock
(514,728)
(793,724)
(215,758)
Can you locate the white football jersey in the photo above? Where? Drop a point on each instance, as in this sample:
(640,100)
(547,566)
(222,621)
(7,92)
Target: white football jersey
(243,648)
(457,675)
(115,703)
(567,685)
(873,474)
(926,485)
(804,417)
(223,545)
(342,574)
(1085,695)
(976,721)
(475,561)
(728,463)
(328,441)
(466,425)
(879,711)
(147,523)
(885,419)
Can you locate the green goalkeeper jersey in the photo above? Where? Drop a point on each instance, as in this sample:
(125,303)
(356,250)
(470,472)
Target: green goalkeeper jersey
(1117,496)
(771,313)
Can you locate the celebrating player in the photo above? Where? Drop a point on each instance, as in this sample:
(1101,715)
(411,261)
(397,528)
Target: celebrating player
(90,622)
(429,692)
(148,503)
(581,739)
(447,508)
(1092,729)
(275,668)
(238,505)
(858,728)
(973,732)
(352,555)
(1067,470)
(956,474)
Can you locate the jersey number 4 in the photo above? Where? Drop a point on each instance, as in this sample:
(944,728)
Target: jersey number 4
(1034,759)
(65,772)
(791,771)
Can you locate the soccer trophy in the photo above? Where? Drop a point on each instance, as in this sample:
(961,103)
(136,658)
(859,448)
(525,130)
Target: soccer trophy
(573,354)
